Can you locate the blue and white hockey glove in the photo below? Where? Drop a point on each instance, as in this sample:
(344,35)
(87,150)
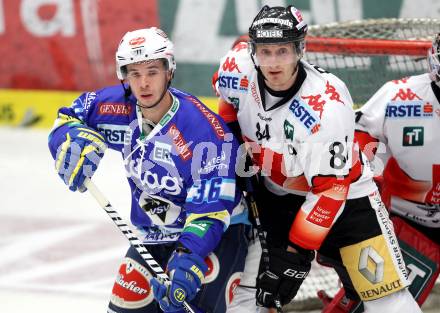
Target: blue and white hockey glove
(187,272)
(79,155)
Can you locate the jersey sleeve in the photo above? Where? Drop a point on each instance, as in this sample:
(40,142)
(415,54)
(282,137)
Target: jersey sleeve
(232,77)
(231,82)
(212,194)
(370,120)
(328,158)
(79,113)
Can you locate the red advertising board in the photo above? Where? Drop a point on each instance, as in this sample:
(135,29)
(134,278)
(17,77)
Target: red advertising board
(66,44)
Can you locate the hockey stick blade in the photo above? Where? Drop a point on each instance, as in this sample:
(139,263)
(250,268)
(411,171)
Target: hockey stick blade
(155,268)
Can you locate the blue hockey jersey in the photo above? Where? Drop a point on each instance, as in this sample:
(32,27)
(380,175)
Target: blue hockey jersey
(181,174)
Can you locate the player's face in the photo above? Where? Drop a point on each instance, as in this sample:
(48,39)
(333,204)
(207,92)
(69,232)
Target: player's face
(147,81)
(277,62)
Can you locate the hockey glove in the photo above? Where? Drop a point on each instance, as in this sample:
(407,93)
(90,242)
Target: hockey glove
(186,272)
(287,271)
(79,155)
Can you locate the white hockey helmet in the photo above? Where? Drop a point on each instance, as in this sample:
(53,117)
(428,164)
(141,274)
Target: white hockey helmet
(143,45)
(434,59)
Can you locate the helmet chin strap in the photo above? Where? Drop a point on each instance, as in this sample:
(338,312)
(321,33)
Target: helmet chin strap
(127,91)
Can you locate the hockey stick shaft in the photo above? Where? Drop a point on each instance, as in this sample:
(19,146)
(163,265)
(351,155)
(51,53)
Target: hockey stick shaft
(260,232)
(155,268)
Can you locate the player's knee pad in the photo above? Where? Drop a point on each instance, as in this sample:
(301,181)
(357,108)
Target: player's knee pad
(422,259)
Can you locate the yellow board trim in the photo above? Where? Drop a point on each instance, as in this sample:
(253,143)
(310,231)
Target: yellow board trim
(38,108)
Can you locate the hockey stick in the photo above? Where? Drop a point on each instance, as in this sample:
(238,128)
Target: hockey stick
(155,268)
(260,232)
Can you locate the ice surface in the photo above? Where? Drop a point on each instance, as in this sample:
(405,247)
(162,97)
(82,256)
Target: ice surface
(59,251)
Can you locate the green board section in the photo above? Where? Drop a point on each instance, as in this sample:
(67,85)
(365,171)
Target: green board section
(195,76)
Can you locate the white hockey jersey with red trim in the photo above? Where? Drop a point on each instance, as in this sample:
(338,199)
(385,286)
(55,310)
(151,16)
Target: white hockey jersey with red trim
(304,146)
(405,115)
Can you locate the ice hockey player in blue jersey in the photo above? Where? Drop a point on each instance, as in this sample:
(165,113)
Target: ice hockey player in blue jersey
(180,161)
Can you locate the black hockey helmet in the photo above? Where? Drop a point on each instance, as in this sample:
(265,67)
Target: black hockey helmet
(278,25)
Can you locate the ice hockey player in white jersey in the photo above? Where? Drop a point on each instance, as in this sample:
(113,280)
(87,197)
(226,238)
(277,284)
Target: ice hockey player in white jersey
(315,191)
(404,115)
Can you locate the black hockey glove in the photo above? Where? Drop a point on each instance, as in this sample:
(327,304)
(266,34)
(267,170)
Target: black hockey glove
(287,271)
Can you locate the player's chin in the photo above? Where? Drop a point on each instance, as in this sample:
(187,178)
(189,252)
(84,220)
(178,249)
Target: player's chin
(147,102)
(277,80)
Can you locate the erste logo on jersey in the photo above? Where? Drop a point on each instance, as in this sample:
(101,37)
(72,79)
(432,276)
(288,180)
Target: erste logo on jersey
(162,153)
(234,81)
(409,109)
(305,115)
(407,103)
(115,134)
